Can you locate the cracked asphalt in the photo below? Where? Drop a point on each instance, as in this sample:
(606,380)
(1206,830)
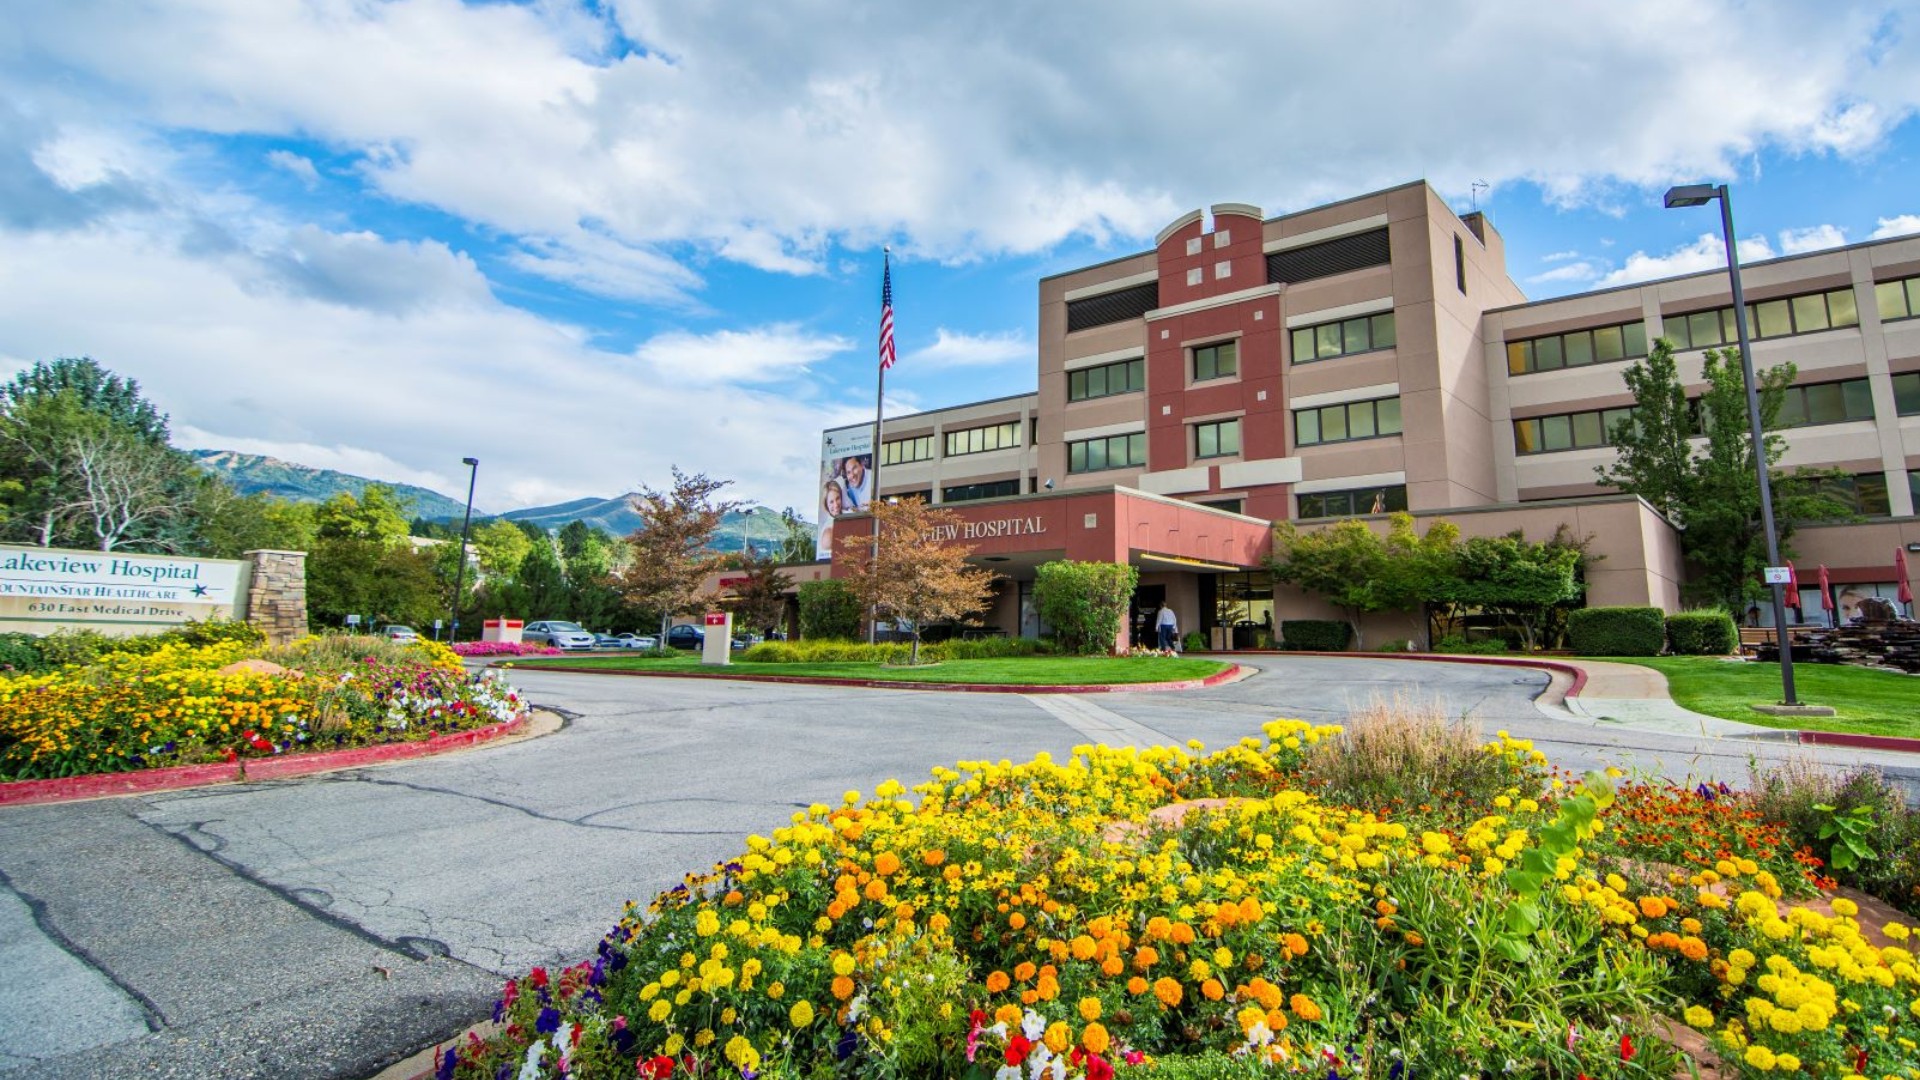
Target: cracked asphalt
(331,925)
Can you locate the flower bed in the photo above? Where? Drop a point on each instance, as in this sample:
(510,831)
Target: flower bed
(1066,920)
(502,648)
(182,704)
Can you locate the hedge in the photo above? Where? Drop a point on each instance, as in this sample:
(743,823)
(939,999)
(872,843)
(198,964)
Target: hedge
(1084,602)
(1617,631)
(828,609)
(1315,635)
(859,652)
(1708,632)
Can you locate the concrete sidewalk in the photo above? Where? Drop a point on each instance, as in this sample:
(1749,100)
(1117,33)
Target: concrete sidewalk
(1631,696)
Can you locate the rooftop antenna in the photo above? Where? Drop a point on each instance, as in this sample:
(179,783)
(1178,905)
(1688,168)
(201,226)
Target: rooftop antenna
(1474,191)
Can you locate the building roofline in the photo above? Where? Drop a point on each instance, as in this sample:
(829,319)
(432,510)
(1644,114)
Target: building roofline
(1744,267)
(1421,182)
(1073,493)
(1035,392)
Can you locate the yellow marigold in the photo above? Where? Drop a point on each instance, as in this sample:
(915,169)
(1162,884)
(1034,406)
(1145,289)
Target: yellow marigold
(1058,1037)
(1699,1016)
(1168,991)
(1845,907)
(1007,1014)
(1095,1039)
(843,963)
(1760,1057)
(1090,1008)
(1304,1007)
(801,1014)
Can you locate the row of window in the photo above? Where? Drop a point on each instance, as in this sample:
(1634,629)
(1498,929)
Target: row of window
(1568,431)
(990,490)
(1111,452)
(1346,422)
(1906,393)
(1827,403)
(1106,380)
(1800,406)
(903,451)
(981,439)
(1898,299)
(1788,315)
(1353,502)
(1343,338)
(1577,348)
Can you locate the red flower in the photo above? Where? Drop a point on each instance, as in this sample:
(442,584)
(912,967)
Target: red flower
(1626,1048)
(1859,1060)
(538,977)
(1017,1049)
(656,1068)
(1098,1069)
(232,755)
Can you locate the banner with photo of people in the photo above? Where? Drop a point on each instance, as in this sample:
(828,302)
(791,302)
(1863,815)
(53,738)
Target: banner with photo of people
(846,479)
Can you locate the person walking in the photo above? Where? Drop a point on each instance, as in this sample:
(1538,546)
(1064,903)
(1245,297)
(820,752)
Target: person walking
(1168,625)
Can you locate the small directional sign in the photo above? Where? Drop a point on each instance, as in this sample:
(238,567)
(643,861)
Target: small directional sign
(1779,575)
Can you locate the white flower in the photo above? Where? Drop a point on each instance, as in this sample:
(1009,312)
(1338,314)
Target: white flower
(531,1070)
(1033,1025)
(1007,1072)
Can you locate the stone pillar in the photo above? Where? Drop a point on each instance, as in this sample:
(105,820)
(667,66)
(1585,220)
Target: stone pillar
(277,594)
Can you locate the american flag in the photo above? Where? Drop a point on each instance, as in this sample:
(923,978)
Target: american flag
(886,316)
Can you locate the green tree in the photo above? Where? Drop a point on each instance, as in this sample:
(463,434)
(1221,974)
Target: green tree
(1084,602)
(828,610)
(670,550)
(1705,480)
(760,596)
(1515,577)
(94,389)
(384,582)
(1359,571)
(377,514)
(500,546)
(231,524)
(801,542)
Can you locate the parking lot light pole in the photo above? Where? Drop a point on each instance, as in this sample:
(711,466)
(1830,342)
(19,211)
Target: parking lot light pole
(1700,195)
(460,564)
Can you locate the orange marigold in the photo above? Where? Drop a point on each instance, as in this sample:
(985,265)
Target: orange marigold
(1112,966)
(1095,1039)
(1146,957)
(997,981)
(842,987)
(1016,920)
(1693,948)
(1304,1007)
(1136,985)
(1168,991)
(1652,907)
(886,863)
(1023,970)
(933,856)
(1090,1008)
(1083,947)
(1213,990)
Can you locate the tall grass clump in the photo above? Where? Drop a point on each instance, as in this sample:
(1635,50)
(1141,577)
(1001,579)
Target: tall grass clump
(1406,753)
(1821,810)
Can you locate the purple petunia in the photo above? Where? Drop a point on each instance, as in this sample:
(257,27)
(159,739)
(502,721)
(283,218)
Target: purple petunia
(549,1021)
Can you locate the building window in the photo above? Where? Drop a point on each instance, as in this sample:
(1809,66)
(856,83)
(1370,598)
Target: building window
(902,451)
(981,439)
(1913,487)
(1353,502)
(1231,506)
(1216,361)
(925,495)
(969,492)
(1906,393)
(1123,377)
(1113,452)
(1345,423)
(1804,314)
(1865,493)
(1344,338)
(1460,265)
(1898,299)
(1117,306)
(1827,403)
(1577,348)
(1569,431)
(1220,438)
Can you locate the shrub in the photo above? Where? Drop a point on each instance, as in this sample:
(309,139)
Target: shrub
(1454,643)
(1792,793)
(71,647)
(1315,635)
(992,648)
(828,609)
(1390,754)
(319,653)
(1195,641)
(1708,632)
(20,654)
(1617,631)
(1084,602)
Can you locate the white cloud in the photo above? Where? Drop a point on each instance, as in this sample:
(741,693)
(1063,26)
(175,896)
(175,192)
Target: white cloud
(296,164)
(1812,238)
(952,348)
(963,136)
(1898,225)
(1559,256)
(1570,272)
(1708,252)
(763,354)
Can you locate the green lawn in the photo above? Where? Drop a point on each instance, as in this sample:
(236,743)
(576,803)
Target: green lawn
(1868,702)
(1033,670)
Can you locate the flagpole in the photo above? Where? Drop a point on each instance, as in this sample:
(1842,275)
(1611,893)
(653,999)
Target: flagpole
(879,401)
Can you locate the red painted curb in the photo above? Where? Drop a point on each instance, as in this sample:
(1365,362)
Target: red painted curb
(1233,671)
(100,785)
(1864,742)
(1578,676)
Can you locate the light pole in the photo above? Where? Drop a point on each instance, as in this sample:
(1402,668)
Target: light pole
(1700,195)
(460,564)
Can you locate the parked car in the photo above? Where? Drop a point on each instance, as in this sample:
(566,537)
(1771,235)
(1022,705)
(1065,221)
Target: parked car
(607,641)
(557,633)
(686,637)
(637,641)
(396,632)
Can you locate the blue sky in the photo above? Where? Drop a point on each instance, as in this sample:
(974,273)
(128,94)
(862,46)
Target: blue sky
(587,241)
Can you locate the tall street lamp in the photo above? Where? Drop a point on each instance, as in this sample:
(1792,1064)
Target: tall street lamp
(460,564)
(1700,195)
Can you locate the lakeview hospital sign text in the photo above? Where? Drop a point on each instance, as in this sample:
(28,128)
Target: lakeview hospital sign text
(43,589)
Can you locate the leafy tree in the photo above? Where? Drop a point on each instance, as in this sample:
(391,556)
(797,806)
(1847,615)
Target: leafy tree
(917,578)
(390,583)
(500,546)
(587,555)
(378,515)
(670,556)
(760,597)
(94,389)
(801,543)
(1708,487)
(1358,571)
(230,524)
(1515,577)
(1084,602)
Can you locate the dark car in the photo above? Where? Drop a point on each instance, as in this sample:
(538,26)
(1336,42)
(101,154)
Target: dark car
(686,637)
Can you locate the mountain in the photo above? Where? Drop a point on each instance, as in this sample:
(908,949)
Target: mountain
(251,473)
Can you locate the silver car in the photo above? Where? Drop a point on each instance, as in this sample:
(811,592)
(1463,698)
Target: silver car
(558,633)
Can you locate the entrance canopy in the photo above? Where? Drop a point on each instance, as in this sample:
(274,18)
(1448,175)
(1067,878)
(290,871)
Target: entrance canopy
(1113,524)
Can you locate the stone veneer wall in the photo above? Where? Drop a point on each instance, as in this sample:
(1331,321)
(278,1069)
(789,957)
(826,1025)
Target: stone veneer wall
(277,594)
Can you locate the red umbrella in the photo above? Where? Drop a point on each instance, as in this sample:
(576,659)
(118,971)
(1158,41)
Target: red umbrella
(1826,594)
(1793,587)
(1905,590)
